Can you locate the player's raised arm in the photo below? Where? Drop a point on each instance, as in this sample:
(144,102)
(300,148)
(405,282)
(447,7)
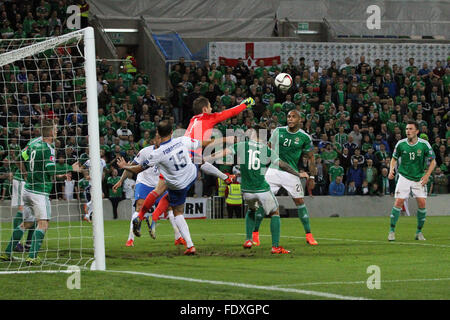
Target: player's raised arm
(125,174)
(230,113)
(123,164)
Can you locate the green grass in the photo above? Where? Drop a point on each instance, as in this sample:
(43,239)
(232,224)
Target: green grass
(347,246)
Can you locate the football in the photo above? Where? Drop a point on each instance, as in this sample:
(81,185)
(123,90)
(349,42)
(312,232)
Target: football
(283,81)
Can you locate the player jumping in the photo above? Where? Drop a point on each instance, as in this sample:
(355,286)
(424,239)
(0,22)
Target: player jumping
(146,182)
(180,173)
(200,128)
(413,155)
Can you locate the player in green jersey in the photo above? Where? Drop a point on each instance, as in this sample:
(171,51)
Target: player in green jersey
(413,155)
(254,157)
(289,143)
(18,166)
(40,162)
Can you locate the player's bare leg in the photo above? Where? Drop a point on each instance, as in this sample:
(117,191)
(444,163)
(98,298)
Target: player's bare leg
(304,218)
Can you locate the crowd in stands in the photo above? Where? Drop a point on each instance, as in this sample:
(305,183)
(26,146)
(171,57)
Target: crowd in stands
(355,112)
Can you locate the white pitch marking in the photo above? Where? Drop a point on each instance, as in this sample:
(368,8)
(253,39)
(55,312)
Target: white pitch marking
(243,285)
(357,282)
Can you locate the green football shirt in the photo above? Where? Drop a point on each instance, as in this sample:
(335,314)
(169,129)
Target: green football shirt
(335,172)
(413,159)
(289,146)
(41,167)
(111,181)
(254,158)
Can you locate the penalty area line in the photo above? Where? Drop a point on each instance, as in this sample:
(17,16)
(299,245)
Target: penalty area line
(358,282)
(242,285)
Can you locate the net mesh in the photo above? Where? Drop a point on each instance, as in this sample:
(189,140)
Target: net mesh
(40,80)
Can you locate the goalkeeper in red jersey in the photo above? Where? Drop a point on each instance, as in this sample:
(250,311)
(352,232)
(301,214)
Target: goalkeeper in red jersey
(200,128)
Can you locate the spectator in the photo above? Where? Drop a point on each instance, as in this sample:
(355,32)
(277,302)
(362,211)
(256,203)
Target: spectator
(337,188)
(440,182)
(355,174)
(114,196)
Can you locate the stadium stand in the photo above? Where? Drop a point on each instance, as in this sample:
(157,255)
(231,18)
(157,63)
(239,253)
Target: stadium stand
(355,114)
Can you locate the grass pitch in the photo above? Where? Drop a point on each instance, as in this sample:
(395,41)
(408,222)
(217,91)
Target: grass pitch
(222,269)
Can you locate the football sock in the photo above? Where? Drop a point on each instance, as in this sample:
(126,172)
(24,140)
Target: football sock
(184,230)
(395,213)
(18,219)
(162,207)
(304,217)
(148,203)
(38,236)
(249,224)
(15,238)
(211,170)
(275,228)
(171,218)
(421,214)
(131,233)
(259,216)
(30,233)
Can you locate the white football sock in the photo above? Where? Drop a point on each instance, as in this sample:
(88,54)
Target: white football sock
(171,218)
(131,234)
(184,230)
(211,170)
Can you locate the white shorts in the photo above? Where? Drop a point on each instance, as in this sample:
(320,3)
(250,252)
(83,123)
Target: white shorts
(17,193)
(28,215)
(405,187)
(39,204)
(89,207)
(265,199)
(277,179)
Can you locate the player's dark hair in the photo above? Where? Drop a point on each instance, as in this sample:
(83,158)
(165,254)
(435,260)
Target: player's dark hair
(164,128)
(414,123)
(199,104)
(47,128)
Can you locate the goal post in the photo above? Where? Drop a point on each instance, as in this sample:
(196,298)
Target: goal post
(94,148)
(62,70)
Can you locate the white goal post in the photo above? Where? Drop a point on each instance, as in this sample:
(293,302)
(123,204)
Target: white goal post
(16,50)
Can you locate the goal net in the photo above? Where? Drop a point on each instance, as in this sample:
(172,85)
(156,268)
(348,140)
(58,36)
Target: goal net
(45,80)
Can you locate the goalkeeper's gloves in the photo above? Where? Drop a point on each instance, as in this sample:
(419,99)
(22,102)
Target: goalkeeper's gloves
(249,102)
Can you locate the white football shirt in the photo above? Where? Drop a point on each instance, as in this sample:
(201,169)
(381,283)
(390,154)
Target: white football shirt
(150,176)
(174,162)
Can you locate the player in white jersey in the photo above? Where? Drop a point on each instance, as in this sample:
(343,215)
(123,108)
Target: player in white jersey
(88,215)
(146,182)
(175,164)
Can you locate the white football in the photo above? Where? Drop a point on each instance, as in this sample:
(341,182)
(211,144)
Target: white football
(283,81)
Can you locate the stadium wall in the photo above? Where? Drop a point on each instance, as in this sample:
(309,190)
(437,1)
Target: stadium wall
(319,206)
